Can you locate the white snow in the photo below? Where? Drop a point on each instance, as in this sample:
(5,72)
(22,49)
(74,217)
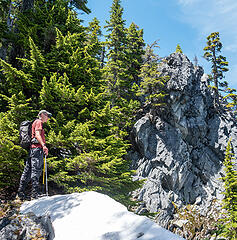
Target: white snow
(95,216)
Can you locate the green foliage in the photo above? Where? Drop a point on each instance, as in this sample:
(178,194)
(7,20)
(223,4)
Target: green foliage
(39,24)
(135,51)
(178,49)
(59,69)
(125,51)
(81,4)
(115,70)
(15,80)
(94,34)
(232,100)
(124,61)
(152,84)
(91,155)
(72,56)
(11,154)
(219,63)
(229,228)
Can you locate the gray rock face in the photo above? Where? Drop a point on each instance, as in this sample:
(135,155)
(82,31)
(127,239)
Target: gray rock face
(26,227)
(180,152)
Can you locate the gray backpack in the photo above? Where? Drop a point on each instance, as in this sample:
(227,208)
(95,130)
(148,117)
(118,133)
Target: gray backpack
(25,134)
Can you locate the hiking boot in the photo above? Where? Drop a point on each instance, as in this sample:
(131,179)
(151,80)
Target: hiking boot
(34,195)
(37,195)
(21,196)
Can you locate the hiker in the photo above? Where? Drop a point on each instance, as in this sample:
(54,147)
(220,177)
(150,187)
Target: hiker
(35,161)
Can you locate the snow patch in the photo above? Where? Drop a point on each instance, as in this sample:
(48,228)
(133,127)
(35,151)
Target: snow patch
(95,216)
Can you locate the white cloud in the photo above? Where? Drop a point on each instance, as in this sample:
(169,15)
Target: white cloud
(187,2)
(207,16)
(213,16)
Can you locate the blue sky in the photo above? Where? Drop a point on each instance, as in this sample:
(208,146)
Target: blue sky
(184,22)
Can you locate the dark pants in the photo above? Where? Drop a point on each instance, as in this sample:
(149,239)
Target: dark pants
(32,171)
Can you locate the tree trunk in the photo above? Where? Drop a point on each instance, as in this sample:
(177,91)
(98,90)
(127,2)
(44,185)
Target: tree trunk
(215,79)
(102,57)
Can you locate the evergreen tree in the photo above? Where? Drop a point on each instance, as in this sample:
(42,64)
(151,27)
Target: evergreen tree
(94,34)
(219,64)
(119,72)
(178,49)
(73,49)
(26,81)
(81,4)
(135,51)
(11,154)
(152,82)
(115,70)
(230,200)
(232,100)
(86,145)
(37,19)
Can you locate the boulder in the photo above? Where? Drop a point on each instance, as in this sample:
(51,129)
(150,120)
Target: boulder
(180,151)
(26,226)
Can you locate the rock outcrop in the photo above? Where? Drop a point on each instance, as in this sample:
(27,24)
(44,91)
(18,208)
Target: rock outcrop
(26,226)
(180,151)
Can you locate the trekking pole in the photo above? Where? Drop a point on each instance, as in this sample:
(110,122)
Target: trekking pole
(46,180)
(44,171)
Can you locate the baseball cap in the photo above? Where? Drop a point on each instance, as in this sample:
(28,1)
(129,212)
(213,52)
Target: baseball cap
(45,112)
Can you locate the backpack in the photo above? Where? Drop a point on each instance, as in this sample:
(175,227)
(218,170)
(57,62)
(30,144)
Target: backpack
(25,134)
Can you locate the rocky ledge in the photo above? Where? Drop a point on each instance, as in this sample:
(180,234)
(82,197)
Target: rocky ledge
(180,151)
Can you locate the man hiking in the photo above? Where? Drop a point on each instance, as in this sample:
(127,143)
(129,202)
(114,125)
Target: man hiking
(35,161)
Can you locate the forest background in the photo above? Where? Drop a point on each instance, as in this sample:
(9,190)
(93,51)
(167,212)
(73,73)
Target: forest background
(94,84)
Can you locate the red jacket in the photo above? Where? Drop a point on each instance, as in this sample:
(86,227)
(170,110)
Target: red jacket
(38,125)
